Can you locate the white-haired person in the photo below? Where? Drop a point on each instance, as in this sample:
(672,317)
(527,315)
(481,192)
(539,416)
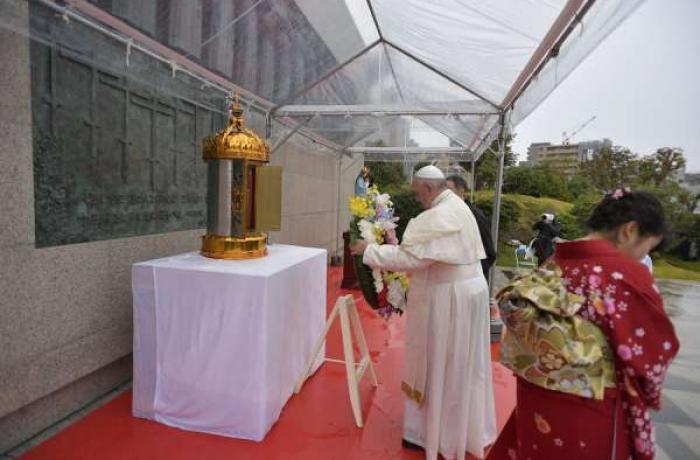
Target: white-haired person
(449,406)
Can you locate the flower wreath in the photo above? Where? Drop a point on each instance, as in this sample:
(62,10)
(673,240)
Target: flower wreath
(372,216)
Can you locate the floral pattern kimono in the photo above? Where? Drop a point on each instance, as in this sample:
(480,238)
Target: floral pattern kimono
(596,415)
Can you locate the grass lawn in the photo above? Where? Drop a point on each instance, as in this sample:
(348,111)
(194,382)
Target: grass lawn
(664,267)
(671,268)
(505,256)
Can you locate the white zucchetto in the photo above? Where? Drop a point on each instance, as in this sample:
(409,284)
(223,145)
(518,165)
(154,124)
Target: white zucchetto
(429,172)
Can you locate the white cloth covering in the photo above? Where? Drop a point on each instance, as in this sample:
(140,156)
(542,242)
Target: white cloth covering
(219,345)
(450,409)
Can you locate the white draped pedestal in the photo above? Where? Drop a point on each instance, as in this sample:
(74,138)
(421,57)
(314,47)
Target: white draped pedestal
(219,345)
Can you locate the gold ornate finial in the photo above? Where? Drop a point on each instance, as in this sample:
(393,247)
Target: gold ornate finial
(236,118)
(235,141)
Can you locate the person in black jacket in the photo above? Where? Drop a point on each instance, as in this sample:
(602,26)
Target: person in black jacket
(548,231)
(459,187)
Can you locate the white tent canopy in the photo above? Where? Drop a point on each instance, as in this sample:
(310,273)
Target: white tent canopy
(356,76)
(354,72)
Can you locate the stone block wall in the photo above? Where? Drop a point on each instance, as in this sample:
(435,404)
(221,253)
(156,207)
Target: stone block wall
(66,311)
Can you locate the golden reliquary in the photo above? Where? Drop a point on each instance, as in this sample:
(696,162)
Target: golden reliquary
(244,194)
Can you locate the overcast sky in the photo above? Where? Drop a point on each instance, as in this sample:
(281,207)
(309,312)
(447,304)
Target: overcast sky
(642,83)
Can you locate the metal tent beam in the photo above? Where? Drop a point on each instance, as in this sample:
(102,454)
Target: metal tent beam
(326,76)
(473,180)
(571,14)
(312,136)
(399,157)
(374,19)
(496,215)
(286,137)
(442,74)
(377,110)
(409,150)
(370,133)
(393,72)
(442,131)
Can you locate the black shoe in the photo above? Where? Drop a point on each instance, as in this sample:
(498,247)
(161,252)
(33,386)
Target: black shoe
(410,445)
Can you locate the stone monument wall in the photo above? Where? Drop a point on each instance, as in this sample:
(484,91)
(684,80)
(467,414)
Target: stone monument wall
(100,167)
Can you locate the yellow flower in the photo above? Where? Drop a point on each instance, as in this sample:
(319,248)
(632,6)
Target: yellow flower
(402,278)
(359,207)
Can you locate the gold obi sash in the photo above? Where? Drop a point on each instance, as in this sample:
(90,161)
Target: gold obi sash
(547,343)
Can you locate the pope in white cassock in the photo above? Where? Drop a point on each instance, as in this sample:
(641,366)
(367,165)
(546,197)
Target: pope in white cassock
(447,377)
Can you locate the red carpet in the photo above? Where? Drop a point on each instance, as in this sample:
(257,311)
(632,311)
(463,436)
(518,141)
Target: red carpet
(316,424)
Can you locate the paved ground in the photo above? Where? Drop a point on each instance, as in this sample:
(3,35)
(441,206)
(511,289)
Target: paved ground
(678,424)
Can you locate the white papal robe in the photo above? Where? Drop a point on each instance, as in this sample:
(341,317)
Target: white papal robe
(447,376)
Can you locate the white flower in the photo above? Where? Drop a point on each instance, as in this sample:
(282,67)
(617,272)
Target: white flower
(640,332)
(598,269)
(558,442)
(667,346)
(386,225)
(384,200)
(617,276)
(367,231)
(395,295)
(378,280)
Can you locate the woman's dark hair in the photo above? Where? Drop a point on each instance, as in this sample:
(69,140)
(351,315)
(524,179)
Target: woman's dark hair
(622,206)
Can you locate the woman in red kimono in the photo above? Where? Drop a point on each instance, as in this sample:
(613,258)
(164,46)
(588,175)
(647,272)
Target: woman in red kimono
(619,296)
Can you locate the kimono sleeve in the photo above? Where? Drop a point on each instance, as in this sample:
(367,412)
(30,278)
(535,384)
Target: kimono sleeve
(643,339)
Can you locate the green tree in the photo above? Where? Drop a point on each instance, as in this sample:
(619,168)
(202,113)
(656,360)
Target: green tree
(610,167)
(661,166)
(537,182)
(678,204)
(583,206)
(580,185)
(487,165)
(386,173)
(405,205)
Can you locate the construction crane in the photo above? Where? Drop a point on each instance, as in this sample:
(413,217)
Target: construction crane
(565,140)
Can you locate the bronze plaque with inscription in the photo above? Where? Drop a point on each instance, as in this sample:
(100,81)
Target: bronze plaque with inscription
(117,147)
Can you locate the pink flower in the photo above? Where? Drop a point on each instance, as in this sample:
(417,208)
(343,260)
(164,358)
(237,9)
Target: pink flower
(594,281)
(624,352)
(642,445)
(610,305)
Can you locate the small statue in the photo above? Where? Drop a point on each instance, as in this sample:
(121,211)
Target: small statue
(362,182)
